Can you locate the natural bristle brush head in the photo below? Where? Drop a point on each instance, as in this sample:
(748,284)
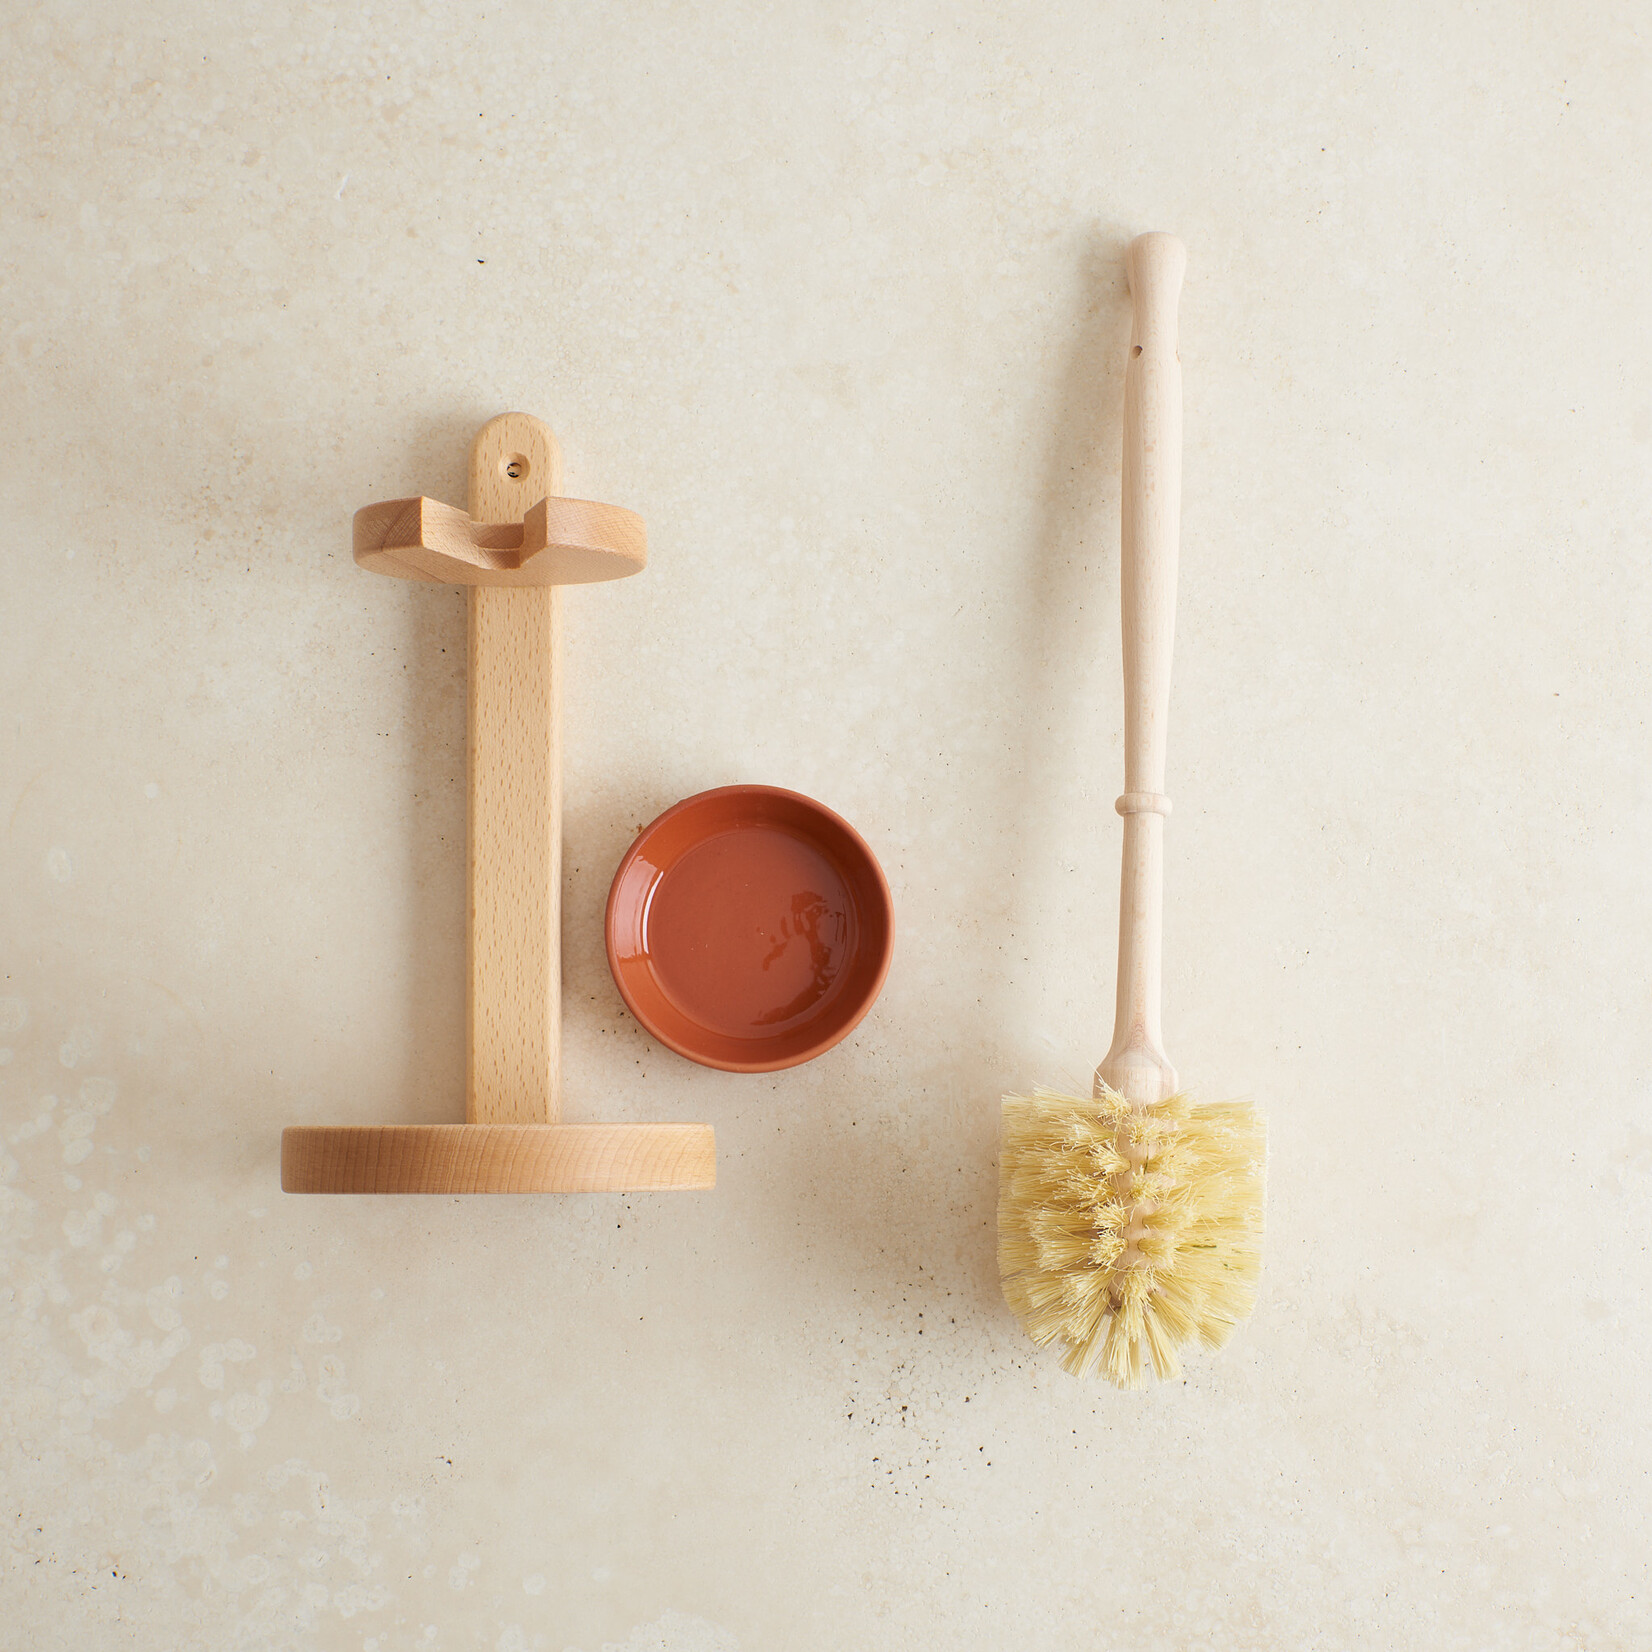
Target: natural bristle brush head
(1127,1232)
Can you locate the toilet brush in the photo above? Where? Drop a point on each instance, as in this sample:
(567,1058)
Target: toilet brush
(1130,1221)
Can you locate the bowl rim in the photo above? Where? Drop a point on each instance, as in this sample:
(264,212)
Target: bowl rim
(879,885)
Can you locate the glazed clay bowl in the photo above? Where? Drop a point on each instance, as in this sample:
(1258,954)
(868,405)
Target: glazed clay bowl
(749,928)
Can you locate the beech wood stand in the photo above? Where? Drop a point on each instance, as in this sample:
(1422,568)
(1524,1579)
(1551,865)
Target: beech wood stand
(519,542)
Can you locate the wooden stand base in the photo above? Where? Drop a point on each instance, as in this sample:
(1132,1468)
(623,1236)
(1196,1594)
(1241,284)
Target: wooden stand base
(498,1158)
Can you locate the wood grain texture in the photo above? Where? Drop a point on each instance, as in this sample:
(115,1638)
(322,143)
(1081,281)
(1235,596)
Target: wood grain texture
(1150,527)
(499,1158)
(514,992)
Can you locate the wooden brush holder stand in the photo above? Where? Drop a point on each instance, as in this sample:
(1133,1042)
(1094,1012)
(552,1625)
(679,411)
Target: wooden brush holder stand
(518,543)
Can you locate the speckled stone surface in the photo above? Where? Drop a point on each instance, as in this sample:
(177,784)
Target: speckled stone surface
(833,295)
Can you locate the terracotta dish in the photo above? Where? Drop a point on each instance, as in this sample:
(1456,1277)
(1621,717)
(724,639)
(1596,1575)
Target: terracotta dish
(749,928)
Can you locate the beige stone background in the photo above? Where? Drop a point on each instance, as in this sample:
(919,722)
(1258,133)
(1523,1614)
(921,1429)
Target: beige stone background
(832,294)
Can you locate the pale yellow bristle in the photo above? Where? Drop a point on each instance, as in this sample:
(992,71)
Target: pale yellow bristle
(1125,1263)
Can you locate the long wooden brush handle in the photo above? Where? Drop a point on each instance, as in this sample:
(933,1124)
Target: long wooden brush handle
(1136,1065)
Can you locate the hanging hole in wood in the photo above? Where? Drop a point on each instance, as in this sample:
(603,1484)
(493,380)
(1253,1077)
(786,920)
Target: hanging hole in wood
(515,466)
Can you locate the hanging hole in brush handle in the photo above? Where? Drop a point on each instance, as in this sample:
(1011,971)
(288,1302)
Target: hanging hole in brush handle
(1150,523)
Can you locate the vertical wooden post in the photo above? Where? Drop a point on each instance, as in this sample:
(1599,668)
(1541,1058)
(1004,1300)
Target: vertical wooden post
(514,1002)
